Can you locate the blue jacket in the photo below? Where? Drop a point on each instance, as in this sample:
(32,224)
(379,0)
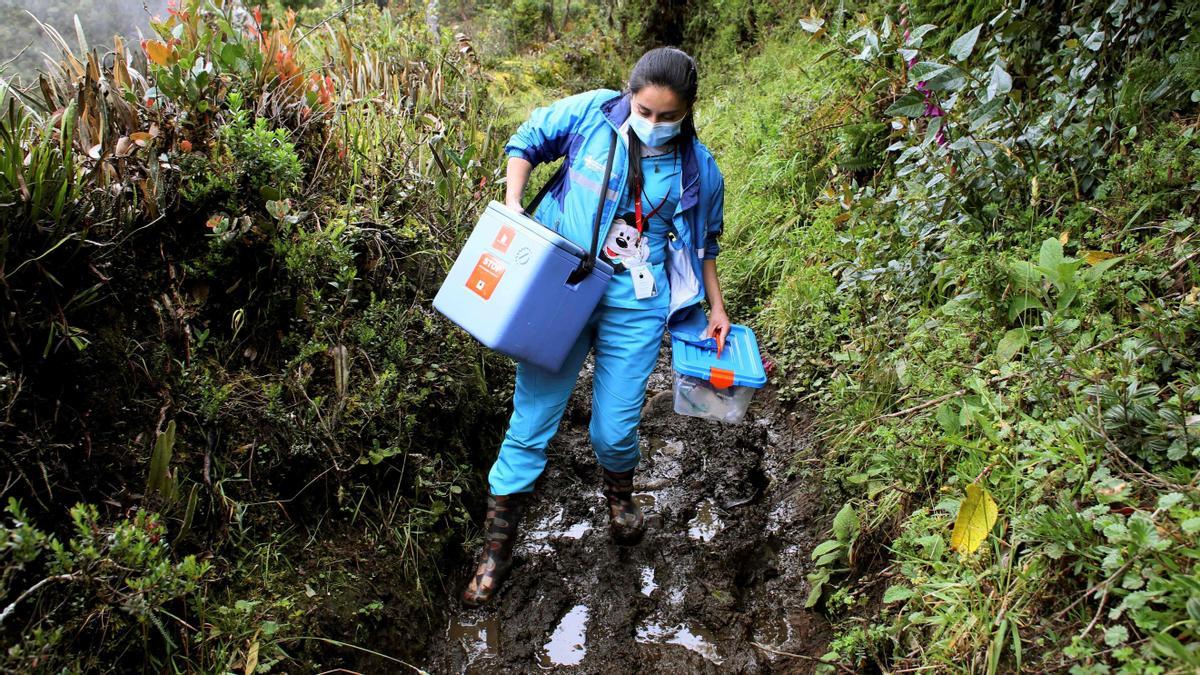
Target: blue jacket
(581,127)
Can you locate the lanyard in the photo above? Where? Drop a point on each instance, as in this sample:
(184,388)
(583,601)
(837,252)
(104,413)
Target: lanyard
(638,209)
(637,202)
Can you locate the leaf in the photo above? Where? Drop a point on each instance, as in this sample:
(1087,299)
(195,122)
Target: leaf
(828,559)
(947,417)
(926,70)
(965,44)
(1012,343)
(919,32)
(1000,83)
(252,658)
(845,523)
(1051,254)
(1025,276)
(1096,257)
(1100,267)
(817,580)
(1171,647)
(975,519)
(231,53)
(897,594)
(159,52)
(1066,298)
(1116,635)
(160,461)
(931,133)
(911,104)
(812,25)
(1022,303)
(826,546)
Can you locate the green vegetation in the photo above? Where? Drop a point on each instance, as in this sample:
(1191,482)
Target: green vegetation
(971,243)
(238,437)
(219,249)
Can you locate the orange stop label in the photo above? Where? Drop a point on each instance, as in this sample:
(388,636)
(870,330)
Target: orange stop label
(486,276)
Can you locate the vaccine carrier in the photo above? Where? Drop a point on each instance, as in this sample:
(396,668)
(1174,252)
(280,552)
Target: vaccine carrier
(522,289)
(511,288)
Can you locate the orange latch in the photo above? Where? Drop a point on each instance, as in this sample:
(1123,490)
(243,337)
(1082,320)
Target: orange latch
(720,378)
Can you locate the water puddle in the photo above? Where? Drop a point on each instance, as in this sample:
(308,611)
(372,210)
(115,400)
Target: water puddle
(675,597)
(706,524)
(776,631)
(645,500)
(565,647)
(655,444)
(648,585)
(480,637)
(699,640)
(537,539)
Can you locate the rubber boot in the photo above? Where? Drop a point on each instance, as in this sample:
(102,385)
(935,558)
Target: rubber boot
(626,523)
(495,560)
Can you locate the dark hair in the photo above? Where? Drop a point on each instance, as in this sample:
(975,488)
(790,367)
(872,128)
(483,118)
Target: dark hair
(663,67)
(671,68)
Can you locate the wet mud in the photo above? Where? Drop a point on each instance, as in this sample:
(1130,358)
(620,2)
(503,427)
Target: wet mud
(717,585)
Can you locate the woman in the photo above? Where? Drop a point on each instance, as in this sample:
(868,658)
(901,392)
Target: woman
(661,220)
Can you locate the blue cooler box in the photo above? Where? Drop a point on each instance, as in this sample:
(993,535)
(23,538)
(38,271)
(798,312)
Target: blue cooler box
(718,388)
(508,288)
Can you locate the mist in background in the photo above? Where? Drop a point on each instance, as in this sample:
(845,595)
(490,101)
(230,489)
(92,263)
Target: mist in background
(22,42)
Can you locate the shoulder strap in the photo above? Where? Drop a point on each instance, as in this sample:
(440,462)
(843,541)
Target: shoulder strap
(586,265)
(537,199)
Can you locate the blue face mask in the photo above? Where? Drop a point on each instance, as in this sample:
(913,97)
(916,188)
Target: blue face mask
(653,134)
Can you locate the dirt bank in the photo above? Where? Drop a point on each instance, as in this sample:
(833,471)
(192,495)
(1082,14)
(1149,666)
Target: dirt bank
(721,568)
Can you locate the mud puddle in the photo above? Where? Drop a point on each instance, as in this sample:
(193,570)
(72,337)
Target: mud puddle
(722,565)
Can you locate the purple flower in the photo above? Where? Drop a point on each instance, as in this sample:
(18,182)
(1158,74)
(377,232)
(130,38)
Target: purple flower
(940,137)
(922,88)
(932,110)
(906,34)
(912,61)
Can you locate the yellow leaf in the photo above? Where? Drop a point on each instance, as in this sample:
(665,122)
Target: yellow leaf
(1094,257)
(975,519)
(1064,237)
(252,658)
(159,52)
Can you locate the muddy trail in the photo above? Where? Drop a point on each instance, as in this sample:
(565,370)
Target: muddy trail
(722,566)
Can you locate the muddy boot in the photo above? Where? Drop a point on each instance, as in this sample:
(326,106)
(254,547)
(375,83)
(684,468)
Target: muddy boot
(625,520)
(495,560)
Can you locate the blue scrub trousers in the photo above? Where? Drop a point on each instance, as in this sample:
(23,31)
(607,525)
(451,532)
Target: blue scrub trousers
(627,342)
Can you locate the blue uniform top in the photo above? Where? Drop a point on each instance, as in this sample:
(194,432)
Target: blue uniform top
(660,195)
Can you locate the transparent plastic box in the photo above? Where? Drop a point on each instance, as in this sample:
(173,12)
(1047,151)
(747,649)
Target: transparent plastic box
(718,387)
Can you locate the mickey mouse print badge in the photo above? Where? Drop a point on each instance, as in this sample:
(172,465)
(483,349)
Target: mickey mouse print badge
(624,247)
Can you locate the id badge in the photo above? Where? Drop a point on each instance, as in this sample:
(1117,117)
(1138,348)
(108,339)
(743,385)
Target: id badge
(643,282)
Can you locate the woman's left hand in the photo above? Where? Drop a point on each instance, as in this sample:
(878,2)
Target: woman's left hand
(718,322)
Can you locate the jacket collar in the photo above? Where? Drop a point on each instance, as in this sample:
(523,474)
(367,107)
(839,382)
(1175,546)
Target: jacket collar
(616,111)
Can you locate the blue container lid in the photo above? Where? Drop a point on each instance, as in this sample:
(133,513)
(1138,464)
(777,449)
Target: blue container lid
(740,360)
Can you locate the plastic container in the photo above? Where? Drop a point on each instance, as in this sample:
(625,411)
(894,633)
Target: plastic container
(718,388)
(508,288)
